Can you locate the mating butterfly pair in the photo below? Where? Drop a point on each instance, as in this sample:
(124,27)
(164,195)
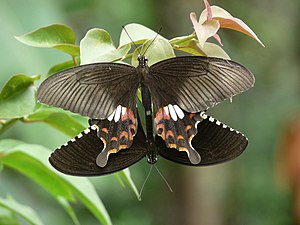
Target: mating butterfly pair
(178,91)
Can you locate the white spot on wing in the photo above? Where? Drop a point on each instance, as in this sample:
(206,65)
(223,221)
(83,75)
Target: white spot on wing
(211,119)
(179,111)
(86,131)
(172,112)
(166,109)
(110,118)
(123,111)
(94,127)
(79,135)
(73,140)
(118,113)
(218,122)
(203,115)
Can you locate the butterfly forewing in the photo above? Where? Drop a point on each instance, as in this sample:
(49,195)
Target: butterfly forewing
(78,156)
(196,83)
(93,90)
(214,141)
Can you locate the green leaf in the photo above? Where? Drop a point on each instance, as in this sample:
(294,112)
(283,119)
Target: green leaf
(125,176)
(62,66)
(23,211)
(156,51)
(64,203)
(138,33)
(87,194)
(97,46)
(32,161)
(193,47)
(17,97)
(56,36)
(7,217)
(65,121)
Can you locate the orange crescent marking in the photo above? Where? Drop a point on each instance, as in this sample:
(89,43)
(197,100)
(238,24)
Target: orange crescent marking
(123,146)
(180,137)
(114,150)
(188,127)
(132,126)
(169,133)
(183,149)
(105,130)
(114,139)
(124,134)
(172,145)
(158,126)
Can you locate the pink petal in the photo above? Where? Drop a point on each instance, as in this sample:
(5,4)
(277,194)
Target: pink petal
(228,21)
(208,9)
(217,37)
(238,25)
(205,30)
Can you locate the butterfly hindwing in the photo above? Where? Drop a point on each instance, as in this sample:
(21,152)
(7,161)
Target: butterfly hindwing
(214,141)
(177,128)
(92,90)
(196,83)
(78,156)
(116,132)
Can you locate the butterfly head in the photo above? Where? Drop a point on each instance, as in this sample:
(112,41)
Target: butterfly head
(152,158)
(143,61)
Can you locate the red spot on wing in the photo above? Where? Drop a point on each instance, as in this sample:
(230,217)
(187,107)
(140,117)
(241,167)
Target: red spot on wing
(192,115)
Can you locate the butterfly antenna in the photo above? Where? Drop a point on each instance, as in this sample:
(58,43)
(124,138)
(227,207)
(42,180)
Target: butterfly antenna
(131,40)
(140,194)
(169,186)
(153,40)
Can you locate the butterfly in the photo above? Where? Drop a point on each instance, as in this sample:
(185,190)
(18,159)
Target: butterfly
(175,92)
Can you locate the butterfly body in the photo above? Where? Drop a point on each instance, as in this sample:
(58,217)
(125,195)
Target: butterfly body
(175,94)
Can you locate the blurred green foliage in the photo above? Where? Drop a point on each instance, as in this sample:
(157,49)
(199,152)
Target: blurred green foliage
(246,191)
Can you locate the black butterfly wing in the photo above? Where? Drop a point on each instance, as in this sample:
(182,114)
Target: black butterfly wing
(78,156)
(214,141)
(196,83)
(93,90)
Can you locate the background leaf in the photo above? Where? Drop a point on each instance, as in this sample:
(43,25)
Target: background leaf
(56,36)
(32,161)
(137,33)
(65,121)
(23,211)
(156,51)
(62,66)
(193,47)
(7,217)
(97,46)
(17,97)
